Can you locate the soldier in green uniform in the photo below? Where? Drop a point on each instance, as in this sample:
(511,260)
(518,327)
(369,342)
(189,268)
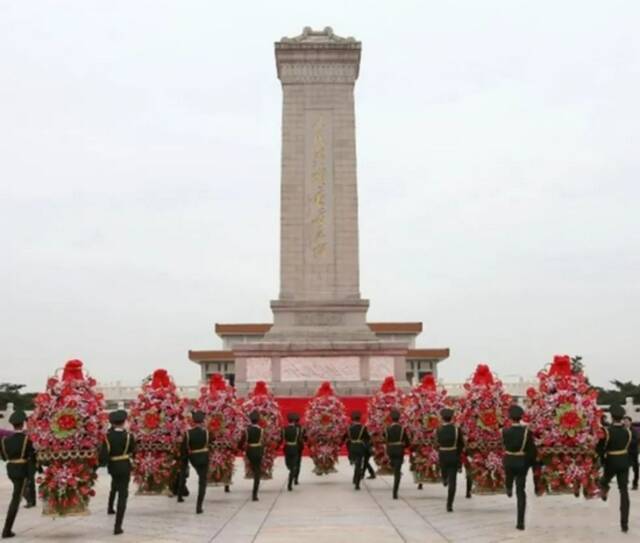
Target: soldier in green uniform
(17,451)
(520,454)
(358,441)
(292,438)
(116,452)
(300,448)
(396,439)
(633,451)
(614,452)
(195,450)
(450,445)
(254,447)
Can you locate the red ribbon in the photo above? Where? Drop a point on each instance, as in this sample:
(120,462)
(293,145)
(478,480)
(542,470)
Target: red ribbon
(482,376)
(260,389)
(388,385)
(428,382)
(160,379)
(561,366)
(325,389)
(216,383)
(72,370)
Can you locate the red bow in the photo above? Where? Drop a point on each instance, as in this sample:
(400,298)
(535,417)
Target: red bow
(428,382)
(482,376)
(72,370)
(216,383)
(325,389)
(388,385)
(160,379)
(260,389)
(561,366)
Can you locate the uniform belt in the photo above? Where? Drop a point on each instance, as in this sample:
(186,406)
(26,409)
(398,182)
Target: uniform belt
(118,458)
(254,445)
(618,453)
(360,441)
(514,453)
(396,443)
(291,443)
(204,449)
(448,448)
(17,461)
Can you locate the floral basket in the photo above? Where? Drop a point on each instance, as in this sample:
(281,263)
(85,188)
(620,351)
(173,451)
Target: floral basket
(381,404)
(483,412)
(158,422)
(565,420)
(422,415)
(261,400)
(67,428)
(226,423)
(326,426)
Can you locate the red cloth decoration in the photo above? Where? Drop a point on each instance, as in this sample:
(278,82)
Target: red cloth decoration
(482,376)
(260,389)
(428,382)
(160,379)
(388,385)
(72,370)
(325,389)
(217,383)
(561,366)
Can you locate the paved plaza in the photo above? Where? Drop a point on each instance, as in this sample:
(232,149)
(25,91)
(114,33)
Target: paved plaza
(327,509)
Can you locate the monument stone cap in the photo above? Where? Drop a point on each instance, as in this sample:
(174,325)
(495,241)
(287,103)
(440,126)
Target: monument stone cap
(324,36)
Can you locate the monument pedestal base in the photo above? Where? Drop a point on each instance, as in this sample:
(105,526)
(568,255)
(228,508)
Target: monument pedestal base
(297,368)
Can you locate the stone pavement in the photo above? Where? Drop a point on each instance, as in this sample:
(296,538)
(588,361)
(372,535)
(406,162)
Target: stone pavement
(326,509)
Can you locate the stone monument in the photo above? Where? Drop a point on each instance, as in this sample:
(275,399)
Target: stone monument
(319,330)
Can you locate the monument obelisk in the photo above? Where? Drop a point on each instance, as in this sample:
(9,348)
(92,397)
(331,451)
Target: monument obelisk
(320,330)
(319,273)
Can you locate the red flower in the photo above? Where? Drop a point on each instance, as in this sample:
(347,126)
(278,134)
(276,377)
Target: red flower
(151,421)
(325,420)
(570,419)
(433,423)
(531,393)
(67,422)
(489,418)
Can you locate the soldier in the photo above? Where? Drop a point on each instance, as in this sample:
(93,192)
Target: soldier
(292,438)
(300,447)
(633,451)
(614,451)
(450,444)
(254,443)
(358,441)
(17,451)
(520,454)
(195,450)
(115,453)
(396,439)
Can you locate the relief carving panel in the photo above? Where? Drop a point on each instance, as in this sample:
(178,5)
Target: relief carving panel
(320,368)
(259,369)
(380,367)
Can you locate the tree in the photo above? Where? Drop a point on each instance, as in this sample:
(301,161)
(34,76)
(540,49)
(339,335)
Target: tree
(10,393)
(623,390)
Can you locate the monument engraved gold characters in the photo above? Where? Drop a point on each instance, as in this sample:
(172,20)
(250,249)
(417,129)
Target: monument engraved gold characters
(319,330)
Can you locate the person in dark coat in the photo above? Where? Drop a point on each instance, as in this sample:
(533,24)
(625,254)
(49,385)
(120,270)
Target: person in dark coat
(520,454)
(253,442)
(633,451)
(195,451)
(396,440)
(292,439)
(614,452)
(17,451)
(358,441)
(450,445)
(116,452)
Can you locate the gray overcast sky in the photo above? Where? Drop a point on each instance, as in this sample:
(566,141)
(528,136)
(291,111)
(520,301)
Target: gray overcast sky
(139,173)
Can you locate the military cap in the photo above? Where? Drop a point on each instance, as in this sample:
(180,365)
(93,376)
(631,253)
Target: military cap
(515,412)
(118,416)
(446,413)
(617,412)
(254,416)
(17,418)
(395,415)
(355,415)
(291,417)
(197,416)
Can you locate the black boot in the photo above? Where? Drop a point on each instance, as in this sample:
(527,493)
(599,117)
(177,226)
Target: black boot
(226,488)
(112,499)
